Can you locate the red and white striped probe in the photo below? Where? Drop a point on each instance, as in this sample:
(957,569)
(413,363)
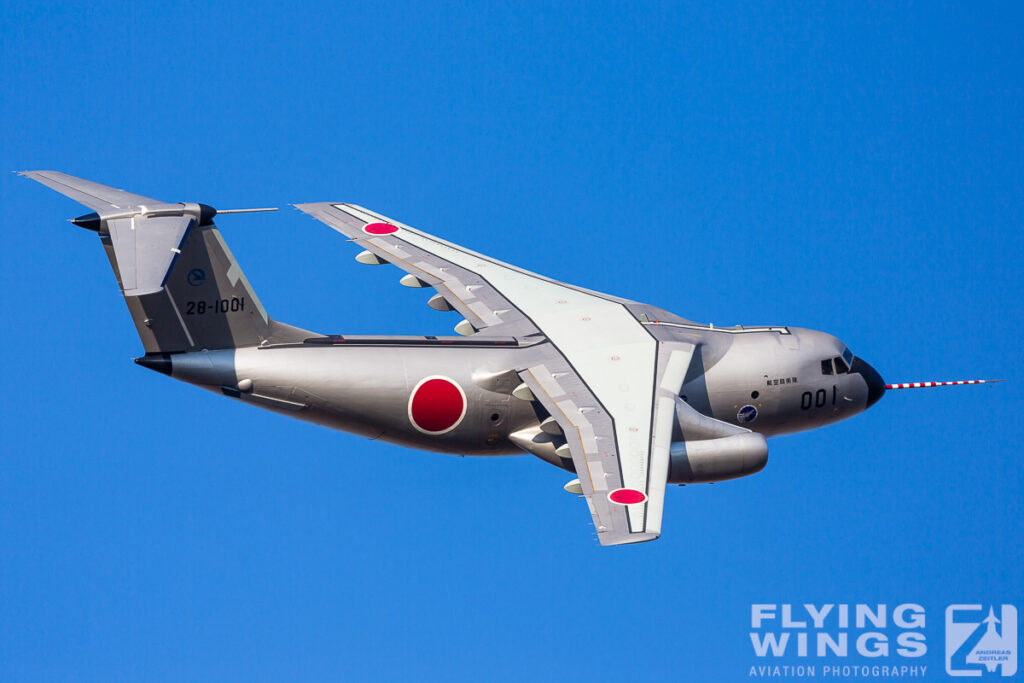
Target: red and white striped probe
(918,385)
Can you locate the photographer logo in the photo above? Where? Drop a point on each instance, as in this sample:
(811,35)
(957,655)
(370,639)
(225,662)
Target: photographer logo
(981,641)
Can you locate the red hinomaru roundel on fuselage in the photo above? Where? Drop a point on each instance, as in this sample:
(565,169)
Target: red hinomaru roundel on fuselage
(437,405)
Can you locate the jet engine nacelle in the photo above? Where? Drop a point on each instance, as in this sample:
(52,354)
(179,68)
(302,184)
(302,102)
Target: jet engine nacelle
(728,457)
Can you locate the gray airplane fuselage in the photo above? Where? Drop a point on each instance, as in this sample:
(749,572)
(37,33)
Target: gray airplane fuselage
(769,380)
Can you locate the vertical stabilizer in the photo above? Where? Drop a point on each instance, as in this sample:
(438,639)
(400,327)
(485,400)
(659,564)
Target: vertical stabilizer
(184,289)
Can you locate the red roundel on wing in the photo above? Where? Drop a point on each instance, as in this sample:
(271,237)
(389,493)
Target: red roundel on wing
(380,228)
(627,496)
(437,405)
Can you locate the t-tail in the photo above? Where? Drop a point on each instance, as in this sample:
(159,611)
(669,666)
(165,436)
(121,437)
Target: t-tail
(183,287)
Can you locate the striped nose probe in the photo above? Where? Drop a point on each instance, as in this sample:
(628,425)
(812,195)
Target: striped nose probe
(918,385)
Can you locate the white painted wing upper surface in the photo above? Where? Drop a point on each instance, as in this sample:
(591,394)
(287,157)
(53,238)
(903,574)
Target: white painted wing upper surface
(597,376)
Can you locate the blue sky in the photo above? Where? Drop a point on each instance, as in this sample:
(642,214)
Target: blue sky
(854,168)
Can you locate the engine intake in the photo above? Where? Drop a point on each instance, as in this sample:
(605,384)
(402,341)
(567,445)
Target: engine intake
(728,457)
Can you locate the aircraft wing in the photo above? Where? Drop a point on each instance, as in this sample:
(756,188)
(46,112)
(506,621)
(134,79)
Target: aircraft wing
(475,285)
(622,464)
(603,376)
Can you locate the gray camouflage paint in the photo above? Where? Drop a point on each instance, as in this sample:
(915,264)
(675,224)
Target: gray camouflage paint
(365,389)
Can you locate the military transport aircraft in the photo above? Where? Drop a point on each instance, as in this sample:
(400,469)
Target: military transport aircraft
(627,396)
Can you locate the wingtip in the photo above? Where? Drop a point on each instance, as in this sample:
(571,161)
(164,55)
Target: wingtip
(629,539)
(303,206)
(31,174)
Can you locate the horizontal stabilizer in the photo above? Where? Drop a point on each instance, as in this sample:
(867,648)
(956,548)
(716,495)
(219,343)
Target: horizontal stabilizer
(147,234)
(100,198)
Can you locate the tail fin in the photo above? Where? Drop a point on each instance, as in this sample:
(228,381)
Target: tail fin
(183,287)
(207,302)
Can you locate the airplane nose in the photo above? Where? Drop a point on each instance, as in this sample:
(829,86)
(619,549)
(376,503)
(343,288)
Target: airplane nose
(876,385)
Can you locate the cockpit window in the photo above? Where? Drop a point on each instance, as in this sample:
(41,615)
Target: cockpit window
(841,367)
(848,356)
(826,367)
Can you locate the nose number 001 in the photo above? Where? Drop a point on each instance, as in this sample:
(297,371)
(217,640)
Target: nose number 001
(817,399)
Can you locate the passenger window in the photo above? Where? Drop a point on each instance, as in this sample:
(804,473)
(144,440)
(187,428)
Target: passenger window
(841,367)
(826,367)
